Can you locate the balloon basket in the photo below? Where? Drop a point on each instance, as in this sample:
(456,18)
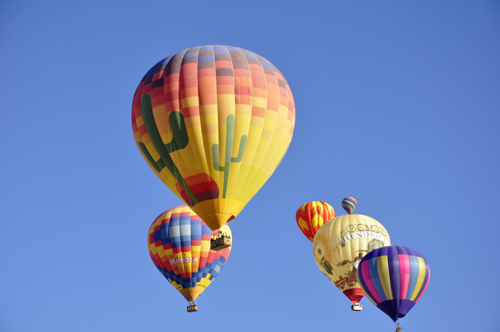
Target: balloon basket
(220,243)
(357,307)
(399,329)
(192,308)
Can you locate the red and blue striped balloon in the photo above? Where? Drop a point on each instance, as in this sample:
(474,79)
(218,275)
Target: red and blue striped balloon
(394,278)
(179,245)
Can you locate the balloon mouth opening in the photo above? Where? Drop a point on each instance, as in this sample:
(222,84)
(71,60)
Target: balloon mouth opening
(398,316)
(217,220)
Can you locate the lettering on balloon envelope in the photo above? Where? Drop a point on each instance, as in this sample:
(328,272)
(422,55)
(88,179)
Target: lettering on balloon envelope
(341,243)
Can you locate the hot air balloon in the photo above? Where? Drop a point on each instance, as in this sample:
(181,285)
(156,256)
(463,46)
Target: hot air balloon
(349,204)
(313,215)
(213,123)
(394,278)
(339,246)
(179,245)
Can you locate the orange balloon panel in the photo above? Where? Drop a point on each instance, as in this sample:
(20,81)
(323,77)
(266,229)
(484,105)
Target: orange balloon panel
(213,123)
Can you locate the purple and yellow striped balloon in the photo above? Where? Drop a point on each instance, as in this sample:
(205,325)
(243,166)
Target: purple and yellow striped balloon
(394,278)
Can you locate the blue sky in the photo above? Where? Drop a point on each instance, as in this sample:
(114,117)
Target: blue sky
(397,105)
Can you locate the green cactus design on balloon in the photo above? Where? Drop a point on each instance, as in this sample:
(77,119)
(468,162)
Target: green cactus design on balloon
(229,147)
(179,141)
(326,265)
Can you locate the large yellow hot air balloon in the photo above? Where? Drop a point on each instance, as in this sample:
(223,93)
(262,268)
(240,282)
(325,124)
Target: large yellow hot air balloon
(213,123)
(341,243)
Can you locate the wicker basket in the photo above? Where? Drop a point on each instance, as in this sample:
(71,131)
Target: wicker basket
(220,243)
(192,308)
(357,307)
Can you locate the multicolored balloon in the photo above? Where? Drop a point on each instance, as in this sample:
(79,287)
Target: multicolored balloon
(179,245)
(312,215)
(349,204)
(339,246)
(213,123)
(394,279)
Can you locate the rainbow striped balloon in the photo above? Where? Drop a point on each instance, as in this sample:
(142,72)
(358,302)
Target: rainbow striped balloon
(349,204)
(179,245)
(394,278)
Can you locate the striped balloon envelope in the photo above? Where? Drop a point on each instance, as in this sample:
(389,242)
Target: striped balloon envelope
(312,215)
(394,278)
(213,123)
(179,245)
(349,204)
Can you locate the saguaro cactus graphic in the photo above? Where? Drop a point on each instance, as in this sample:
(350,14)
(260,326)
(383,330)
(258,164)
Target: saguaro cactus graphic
(229,148)
(179,141)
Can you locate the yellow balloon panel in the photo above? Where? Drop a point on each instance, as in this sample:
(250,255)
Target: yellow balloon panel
(341,243)
(213,123)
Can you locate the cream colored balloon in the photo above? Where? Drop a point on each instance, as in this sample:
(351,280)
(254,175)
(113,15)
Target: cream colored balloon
(339,246)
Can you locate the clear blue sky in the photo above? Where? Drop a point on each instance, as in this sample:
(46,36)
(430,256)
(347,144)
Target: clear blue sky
(397,105)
